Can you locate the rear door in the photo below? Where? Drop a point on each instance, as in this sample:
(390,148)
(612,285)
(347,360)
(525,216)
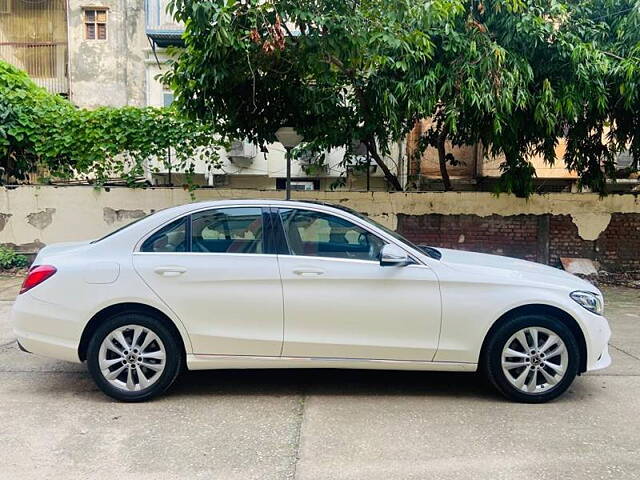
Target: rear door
(216,270)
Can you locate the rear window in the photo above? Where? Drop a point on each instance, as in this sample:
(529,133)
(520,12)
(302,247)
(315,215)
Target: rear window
(170,238)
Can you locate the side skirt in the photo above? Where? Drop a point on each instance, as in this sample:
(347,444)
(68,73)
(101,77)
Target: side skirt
(214,362)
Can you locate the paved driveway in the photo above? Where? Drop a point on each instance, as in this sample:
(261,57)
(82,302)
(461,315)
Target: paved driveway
(320,424)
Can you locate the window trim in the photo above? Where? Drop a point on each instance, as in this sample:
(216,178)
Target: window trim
(278,236)
(286,249)
(96,9)
(266,228)
(276,246)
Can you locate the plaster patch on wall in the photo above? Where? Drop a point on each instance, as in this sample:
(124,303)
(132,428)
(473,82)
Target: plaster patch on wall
(4,218)
(41,220)
(591,225)
(111,216)
(389,220)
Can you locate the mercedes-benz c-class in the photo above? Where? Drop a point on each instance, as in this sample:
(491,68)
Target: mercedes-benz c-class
(285,284)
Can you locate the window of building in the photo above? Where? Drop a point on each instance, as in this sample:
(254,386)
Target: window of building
(167,98)
(95,23)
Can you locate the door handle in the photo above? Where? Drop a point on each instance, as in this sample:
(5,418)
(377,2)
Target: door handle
(170,271)
(308,272)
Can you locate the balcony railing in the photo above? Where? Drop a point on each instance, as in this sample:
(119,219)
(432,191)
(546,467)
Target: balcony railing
(45,62)
(33,37)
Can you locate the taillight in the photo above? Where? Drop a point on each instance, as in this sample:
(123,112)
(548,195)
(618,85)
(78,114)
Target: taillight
(36,276)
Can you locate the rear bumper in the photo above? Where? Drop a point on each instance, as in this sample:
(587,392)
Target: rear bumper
(45,329)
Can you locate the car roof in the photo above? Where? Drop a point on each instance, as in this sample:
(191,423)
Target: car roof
(260,201)
(139,228)
(255,202)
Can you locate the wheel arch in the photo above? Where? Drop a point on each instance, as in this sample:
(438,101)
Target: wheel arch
(117,308)
(541,309)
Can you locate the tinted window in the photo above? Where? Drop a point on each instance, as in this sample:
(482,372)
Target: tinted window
(228,230)
(321,235)
(170,238)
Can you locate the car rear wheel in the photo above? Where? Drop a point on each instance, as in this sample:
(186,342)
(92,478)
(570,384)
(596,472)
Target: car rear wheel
(133,357)
(532,358)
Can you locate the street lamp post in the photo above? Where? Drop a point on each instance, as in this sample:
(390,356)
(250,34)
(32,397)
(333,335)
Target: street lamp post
(289,139)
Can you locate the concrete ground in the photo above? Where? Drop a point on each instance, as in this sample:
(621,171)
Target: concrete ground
(54,423)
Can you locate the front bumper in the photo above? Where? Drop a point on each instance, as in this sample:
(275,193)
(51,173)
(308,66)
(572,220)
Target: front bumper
(597,335)
(603,362)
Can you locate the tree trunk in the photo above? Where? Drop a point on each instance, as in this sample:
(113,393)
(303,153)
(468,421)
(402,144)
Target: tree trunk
(391,178)
(442,158)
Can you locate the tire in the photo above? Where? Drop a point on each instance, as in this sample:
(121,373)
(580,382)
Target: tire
(137,372)
(507,369)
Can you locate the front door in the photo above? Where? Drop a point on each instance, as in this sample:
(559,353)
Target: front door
(214,270)
(340,303)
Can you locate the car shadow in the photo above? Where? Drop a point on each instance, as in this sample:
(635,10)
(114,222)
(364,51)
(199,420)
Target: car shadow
(333,382)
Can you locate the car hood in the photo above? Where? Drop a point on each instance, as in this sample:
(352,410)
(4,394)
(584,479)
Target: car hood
(512,270)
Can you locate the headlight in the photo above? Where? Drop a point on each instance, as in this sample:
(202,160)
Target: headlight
(589,300)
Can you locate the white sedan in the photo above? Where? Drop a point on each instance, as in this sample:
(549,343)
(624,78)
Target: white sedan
(275,284)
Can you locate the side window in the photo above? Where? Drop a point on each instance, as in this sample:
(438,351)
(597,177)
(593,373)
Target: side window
(321,235)
(228,230)
(170,238)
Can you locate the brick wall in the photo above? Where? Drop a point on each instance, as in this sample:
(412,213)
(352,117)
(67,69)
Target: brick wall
(619,245)
(542,238)
(514,236)
(564,241)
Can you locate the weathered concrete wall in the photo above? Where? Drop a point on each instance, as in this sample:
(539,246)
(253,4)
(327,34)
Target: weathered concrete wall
(112,71)
(543,228)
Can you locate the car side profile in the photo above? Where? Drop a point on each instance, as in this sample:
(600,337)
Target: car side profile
(287,284)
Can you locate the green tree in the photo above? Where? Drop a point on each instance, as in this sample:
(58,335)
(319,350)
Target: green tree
(42,130)
(519,76)
(514,75)
(340,72)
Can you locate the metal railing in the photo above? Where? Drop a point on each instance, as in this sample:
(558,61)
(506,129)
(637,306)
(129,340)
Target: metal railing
(33,37)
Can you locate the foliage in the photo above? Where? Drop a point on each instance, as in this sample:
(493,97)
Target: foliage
(42,130)
(348,72)
(519,76)
(10,259)
(515,75)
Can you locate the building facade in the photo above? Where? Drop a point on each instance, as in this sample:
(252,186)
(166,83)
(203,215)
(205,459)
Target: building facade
(111,52)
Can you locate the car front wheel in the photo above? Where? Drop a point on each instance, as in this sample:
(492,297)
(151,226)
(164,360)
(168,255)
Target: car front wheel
(532,358)
(133,357)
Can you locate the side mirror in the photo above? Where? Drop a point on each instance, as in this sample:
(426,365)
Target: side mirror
(393,256)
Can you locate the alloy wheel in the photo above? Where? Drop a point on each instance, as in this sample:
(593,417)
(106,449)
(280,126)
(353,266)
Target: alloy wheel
(534,360)
(132,357)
